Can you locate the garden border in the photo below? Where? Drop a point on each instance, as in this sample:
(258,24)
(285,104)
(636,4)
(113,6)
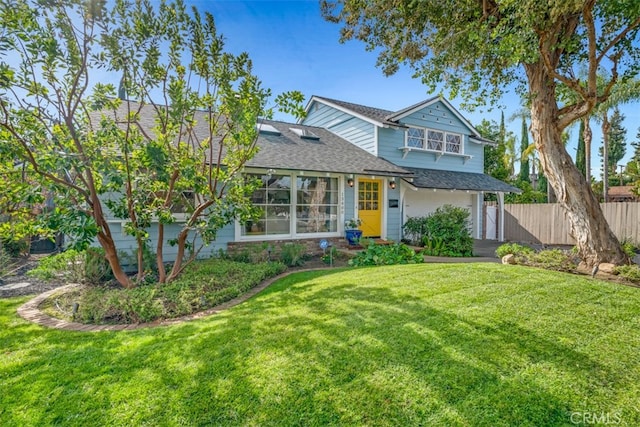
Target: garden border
(31,312)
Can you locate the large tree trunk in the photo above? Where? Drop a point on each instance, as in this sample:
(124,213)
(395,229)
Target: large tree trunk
(595,241)
(111,253)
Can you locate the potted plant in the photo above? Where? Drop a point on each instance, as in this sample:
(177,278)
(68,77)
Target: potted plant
(352,230)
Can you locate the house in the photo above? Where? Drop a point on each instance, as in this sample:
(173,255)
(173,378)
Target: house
(433,141)
(345,161)
(621,193)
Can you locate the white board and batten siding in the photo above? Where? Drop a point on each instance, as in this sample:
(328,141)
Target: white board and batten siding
(353,129)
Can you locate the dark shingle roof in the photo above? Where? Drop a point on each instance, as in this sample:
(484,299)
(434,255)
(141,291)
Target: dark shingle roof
(450,180)
(328,153)
(376,114)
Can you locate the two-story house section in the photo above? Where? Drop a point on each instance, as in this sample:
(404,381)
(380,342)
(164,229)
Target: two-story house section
(431,139)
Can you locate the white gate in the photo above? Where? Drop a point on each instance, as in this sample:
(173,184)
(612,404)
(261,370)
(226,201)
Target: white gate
(491,219)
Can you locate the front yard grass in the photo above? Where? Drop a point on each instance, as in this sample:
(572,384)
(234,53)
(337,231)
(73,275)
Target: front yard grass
(426,344)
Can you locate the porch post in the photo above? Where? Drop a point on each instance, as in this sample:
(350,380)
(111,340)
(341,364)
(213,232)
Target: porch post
(501,217)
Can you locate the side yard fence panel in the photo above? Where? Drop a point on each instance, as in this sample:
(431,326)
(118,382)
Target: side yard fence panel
(547,223)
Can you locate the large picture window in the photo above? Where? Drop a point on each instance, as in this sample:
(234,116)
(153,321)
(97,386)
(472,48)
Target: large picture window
(309,203)
(316,204)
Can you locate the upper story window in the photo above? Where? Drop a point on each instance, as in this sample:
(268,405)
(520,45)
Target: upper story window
(434,140)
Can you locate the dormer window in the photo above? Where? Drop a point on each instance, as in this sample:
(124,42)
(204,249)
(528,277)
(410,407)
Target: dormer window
(433,140)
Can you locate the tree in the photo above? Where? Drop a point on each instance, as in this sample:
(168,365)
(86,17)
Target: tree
(524,158)
(616,144)
(478,48)
(494,156)
(188,129)
(581,162)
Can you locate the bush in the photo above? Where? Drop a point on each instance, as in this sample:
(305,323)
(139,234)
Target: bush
(14,248)
(628,272)
(513,249)
(6,262)
(450,226)
(629,247)
(415,229)
(293,254)
(397,253)
(89,266)
(204,285)
(550,259)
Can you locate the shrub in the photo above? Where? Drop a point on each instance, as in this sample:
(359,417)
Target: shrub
(628,272)
(6,262)
(550,259)
(14,248)
(415,229)
(450,225)
(204,285)
(293,254)
(629,247)
(514,249)
(396,253)
(89,266)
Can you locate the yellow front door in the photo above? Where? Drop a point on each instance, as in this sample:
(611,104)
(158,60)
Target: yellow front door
(370,206)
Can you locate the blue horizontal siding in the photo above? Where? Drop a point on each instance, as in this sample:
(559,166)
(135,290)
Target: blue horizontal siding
(355,130)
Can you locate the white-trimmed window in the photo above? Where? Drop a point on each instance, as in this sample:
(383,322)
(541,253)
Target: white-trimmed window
(415,137)
(434,140)
(294,205)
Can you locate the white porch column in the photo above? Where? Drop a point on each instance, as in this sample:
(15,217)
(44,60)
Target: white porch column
(501,217)
(479,214)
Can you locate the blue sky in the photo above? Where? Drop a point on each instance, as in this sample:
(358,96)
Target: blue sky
(293,48)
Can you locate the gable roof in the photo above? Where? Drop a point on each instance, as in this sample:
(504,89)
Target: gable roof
(387,118)
(287,147)
(450,180)
(376,116)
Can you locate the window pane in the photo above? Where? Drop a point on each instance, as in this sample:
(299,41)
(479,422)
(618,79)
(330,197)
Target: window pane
(435,139)
(453,143)
(317,205)
(415,138)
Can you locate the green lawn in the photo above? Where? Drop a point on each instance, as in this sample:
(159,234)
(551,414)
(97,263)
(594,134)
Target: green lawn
(458,344)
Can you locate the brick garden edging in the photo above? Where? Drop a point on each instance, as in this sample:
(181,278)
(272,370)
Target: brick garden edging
(30,310)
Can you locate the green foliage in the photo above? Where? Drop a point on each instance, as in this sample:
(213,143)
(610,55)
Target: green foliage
(330,255)
(435,247)
(581,162)
(450,225)
(6,262)
(66,266)
(628,272)
(528,195)
(396,253)
(617,142)
(293,254)
(550,259)
(514,249)
(95,145)
(204,285)
(14,247)
(629,247)
(89,266)
(414,229)
(524,159)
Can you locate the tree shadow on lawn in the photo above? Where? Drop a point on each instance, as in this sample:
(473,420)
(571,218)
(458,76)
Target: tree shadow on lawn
(299,354)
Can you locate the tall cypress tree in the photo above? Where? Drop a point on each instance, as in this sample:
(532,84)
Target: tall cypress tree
(524,160)
(581,159)
(617,142)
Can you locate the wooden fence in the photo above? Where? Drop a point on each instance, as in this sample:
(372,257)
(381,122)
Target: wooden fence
(547,223)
